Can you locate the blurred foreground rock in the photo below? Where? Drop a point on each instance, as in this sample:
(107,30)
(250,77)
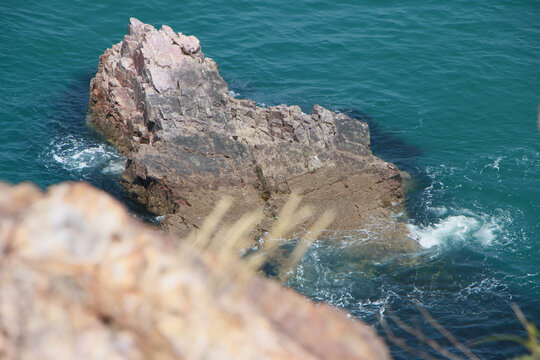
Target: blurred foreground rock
(80,278)
(188,142)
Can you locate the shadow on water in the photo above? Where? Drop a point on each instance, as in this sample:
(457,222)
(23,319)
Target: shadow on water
(390,147)
(444,285)
(78,153)
(448,283)
(67,120)
(385,144)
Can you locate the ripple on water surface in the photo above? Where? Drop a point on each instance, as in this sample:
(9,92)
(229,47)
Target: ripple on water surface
(455,80)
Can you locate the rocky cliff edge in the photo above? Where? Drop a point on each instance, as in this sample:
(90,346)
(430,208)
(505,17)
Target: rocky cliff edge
(188,142)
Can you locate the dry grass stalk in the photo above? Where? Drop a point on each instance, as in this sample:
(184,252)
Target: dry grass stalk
(322,223)
(420,336)
(92,282)
(532,342)
(446,333)
(288,218)
(223,241)
(401,343)
(424,339)
(202,237)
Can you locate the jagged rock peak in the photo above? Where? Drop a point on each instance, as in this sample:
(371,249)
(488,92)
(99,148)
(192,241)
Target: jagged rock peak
(165,105)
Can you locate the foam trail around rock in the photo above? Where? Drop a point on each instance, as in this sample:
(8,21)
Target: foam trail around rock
(81,156)
(160,101)
(455,229)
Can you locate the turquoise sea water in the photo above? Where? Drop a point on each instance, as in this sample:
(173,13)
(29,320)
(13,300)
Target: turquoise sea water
(450,90)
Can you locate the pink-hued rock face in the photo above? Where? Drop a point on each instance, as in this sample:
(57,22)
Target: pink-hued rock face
(82,279)
(164,104)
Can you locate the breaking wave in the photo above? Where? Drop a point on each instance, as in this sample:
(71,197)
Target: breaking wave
(82,157)
(456,229)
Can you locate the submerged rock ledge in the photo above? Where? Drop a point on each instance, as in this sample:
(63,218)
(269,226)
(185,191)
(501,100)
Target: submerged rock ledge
(82,279)
(165,106)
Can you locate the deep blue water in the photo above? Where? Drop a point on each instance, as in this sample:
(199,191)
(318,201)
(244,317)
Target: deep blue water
(450,90)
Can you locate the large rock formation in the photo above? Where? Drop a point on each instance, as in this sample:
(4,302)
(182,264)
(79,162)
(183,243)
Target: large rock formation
(82,279)
(165,106)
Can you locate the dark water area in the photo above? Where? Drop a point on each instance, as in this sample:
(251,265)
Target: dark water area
(77,152)
(389,146)
(450,91)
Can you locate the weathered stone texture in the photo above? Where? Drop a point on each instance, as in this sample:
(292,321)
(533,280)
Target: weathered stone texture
(82,279)
(164,104)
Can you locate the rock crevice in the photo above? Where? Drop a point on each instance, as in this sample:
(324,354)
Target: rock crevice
(166,107)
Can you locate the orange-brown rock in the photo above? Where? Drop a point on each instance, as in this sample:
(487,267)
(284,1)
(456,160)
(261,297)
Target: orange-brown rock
(164,105)
(80,278)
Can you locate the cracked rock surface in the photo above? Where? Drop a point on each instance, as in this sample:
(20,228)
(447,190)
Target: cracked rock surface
(165,106)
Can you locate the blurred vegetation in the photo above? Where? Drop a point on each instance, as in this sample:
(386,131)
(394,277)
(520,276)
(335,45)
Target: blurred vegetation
(531,342)
(225,240)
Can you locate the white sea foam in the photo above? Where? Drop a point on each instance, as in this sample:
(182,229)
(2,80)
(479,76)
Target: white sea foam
(233,94)
(114,167)
(456,229)
(80,155)
(373,307)
(487,285)
(494,165)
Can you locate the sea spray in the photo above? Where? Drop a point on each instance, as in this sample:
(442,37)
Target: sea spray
(455,229)
(82,156)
